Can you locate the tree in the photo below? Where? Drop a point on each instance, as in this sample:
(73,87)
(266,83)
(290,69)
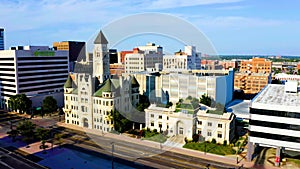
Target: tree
(205,100)
(220,107)
(276,81)
(169,104)
(19,102)
(13,134)
(189,98)
(49,104)
(42,134)
(196,137)
(143,103)
(195,103)
(58,138)
(26,129)
(121,123)
(225,143)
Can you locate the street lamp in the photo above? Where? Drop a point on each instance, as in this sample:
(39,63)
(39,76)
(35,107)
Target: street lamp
(112,154)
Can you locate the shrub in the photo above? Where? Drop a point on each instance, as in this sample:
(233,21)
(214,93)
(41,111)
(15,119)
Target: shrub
(155,130)
(213,141)
(225,143)
(195,138)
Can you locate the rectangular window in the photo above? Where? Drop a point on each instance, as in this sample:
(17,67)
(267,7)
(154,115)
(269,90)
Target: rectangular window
(209,133)
(152,124)
(160,116)
(209,124)
(219,125)
(199,122)
(152,115)
(199,131)
(219,135)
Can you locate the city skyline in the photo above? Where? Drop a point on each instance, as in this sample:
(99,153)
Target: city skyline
(233,26)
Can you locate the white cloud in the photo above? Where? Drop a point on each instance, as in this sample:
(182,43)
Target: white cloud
(164,4)
(236,22)
(27,15)
(232,7)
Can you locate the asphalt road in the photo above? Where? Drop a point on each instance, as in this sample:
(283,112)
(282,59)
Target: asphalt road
(122,149)
(137,152)
(9,160)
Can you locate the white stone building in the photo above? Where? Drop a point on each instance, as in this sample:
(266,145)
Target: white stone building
(91,95)
(213,124)
(143,57)
(186,123)
(180,61)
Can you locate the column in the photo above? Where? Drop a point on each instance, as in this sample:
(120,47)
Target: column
(250,151)
(277,158)
(141,126)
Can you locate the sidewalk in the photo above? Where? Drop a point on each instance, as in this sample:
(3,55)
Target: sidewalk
(231,160)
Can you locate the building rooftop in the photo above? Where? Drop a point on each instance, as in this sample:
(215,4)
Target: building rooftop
(107,86)
(274,97)
(100,39)
(240,108)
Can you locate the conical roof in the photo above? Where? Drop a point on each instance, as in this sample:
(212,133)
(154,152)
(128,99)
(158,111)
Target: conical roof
(100,39)
(69,82)
(106,87)
(134,82)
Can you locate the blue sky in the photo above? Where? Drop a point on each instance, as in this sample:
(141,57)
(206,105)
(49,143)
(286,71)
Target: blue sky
(233,26)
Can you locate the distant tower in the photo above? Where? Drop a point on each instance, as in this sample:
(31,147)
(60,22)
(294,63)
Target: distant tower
(101,58)
(1,39)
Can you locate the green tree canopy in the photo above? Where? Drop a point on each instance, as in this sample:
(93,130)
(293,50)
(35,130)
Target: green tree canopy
(26,129)
(49,104)
(143,103)
(19,102)
(121,123)
(205,100)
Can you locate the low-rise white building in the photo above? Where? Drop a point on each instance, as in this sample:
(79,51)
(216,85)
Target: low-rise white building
(214,124)
(166,119)
(210,124)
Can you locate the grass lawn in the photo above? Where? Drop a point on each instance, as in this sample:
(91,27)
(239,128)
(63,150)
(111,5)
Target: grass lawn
(157,138)
(211,148)
(295,161)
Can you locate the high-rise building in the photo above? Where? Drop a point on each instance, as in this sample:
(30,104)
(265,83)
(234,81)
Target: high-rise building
(33,70)
(1,38)
(76,51)
(275,118)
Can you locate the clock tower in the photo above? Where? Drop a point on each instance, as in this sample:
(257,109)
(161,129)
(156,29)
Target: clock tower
(101,58)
